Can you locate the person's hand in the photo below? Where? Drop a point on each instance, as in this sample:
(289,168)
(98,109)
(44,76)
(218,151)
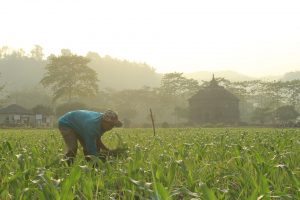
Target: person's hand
(118,151)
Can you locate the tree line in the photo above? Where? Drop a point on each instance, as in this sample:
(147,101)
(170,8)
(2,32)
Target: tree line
(260,102)
(71,82)
(14,64)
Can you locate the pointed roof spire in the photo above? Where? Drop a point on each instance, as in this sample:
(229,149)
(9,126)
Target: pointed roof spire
(213,81)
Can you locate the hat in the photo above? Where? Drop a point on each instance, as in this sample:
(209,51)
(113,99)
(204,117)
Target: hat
(112,117)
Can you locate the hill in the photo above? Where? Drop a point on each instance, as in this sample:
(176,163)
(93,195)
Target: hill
(18,73)
(122,74)
(291,76)
(230,75)
(21,72)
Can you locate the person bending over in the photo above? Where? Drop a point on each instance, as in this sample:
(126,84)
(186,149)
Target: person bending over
(87,127)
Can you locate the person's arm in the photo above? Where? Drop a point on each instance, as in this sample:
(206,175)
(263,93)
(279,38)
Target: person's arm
(103,150)
(91,146)
(101,146)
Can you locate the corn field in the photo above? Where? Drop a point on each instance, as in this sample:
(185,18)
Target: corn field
(203,163)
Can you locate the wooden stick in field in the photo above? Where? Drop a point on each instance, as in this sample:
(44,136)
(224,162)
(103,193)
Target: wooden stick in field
(153,126)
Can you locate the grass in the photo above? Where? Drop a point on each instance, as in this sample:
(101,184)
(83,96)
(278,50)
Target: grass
(210,163)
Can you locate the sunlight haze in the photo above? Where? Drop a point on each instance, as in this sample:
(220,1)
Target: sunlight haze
(257,38)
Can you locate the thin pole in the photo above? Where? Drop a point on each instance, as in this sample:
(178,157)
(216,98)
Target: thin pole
(153,126)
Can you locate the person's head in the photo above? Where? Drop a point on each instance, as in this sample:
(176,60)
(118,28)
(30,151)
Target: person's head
(110,120)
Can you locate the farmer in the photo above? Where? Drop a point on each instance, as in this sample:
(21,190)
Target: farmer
(87,127)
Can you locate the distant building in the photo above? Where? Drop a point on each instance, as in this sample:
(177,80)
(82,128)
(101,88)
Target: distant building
(15,115)
(214,104)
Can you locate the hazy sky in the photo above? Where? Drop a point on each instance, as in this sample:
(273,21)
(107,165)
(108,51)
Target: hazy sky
(255,37)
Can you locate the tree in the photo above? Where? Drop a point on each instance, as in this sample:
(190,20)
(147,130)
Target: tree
(4,51)
(174,91)
(37,53)
(1,89)
(29,97)
(69,76)
(175,84)
(262,115)
(66,107)
(66,52)
(286,113)
(42,109)
(293,90)
(1,86)
(20,53)
(181,112)
(128,102)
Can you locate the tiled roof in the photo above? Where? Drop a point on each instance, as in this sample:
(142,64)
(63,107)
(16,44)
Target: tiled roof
(15,109)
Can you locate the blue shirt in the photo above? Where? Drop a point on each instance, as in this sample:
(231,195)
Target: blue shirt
(87,125)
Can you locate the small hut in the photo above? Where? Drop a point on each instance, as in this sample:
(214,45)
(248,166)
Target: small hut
(214,104)
(15,115)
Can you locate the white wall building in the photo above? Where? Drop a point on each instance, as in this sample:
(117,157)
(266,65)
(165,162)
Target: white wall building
(15,115)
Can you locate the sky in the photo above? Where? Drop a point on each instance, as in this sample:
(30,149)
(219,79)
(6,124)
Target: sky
(253,37)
